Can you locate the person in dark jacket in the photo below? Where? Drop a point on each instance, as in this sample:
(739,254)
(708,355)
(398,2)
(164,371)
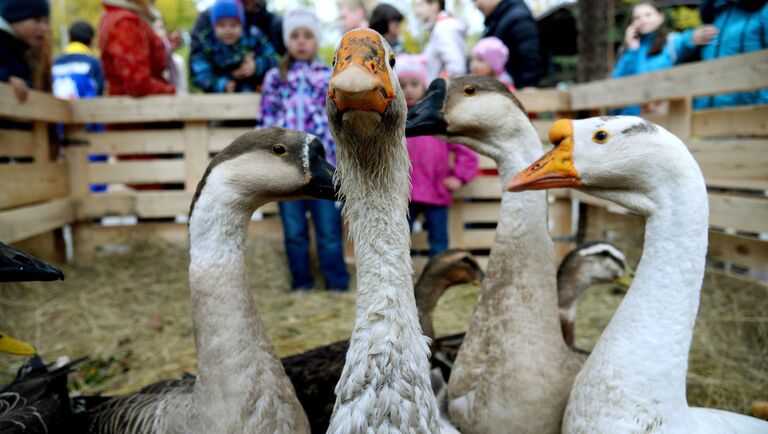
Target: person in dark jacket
(742,27)
(23,25)
(77,73)
(258,21)
(512,22)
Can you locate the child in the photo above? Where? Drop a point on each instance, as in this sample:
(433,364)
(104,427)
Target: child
(23,25)
(233,61)
(489,56)
(77,73)
(293,96)
(433,179)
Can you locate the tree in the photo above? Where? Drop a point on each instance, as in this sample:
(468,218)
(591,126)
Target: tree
(595,49)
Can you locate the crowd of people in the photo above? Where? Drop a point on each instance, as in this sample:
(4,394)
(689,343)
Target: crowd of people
(240,46)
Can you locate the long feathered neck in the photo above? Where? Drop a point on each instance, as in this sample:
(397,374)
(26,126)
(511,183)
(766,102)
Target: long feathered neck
(650,335)
(428,291)
(385,382)
(241,383)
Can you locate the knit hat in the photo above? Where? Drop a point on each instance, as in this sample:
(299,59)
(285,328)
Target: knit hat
(412,66)
(300,18)
(227,9)
(493,52)
(19,10)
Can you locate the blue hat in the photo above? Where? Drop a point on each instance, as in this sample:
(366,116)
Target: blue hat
(19,10)
(227,9)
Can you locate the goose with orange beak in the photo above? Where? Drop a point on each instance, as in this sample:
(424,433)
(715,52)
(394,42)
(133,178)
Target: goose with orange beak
(385,384)
(635,378)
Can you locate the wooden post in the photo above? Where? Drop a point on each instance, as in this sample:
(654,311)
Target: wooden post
(41,142)
(77,167)
(595,223)
(561,225)
(679,118)
(456,224)
(195,152)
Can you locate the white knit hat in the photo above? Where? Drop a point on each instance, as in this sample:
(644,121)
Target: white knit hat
(300,18)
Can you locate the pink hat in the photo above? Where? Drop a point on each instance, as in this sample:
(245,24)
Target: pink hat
(412,66)
(493,52)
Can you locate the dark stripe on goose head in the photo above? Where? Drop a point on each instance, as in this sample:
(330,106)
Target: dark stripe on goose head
(572,257)
(642,127)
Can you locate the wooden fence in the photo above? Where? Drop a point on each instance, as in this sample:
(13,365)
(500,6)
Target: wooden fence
(43,189)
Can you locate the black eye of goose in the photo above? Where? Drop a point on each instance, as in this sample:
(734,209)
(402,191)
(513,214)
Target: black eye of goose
(392,62)
(600,136)
(470,90)
(279,150)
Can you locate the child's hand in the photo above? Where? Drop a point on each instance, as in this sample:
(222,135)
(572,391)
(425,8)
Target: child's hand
(20,88)
(246,69)
(704,34)
(632,37)
(231,85)
(452,183)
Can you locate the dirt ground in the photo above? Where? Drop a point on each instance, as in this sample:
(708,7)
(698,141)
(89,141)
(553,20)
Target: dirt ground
(128,311)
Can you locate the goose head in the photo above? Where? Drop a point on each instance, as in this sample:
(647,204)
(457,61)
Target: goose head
(267,165)
(458,111)
(446,269)
(625,159)
(364,92)
(588,264)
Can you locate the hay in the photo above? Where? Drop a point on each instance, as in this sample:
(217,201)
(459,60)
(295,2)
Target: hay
(129,312)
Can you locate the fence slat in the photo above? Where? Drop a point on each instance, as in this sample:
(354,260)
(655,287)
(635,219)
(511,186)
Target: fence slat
(219,138)
(736,121)
(16,143)
(21,223)
(742,213)
(134,142)
(137,172)
(39,106)
(24,184)
(747,252)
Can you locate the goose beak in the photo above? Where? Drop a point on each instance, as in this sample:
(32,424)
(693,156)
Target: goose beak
(625,281)
(360,79)
(12,346)
(320,185)
(17,266)
(427,117)
(555,169)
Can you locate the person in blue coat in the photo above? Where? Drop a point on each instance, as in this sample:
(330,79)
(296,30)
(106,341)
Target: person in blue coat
(742,28)
(650,46)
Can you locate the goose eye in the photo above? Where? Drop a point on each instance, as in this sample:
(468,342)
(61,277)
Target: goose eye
(600,136)
(392,62)
(279,150)
(469,90)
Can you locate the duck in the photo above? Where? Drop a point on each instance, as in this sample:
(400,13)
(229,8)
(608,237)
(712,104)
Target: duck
(385,384)
(241,384)
(514,370)
(635,378)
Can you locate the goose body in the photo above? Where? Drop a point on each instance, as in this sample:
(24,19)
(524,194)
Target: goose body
(635,378)
(513,371)
(385,385)
(241,385)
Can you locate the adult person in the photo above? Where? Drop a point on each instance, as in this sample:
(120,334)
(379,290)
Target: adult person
(258,21)
(353,14)
(742,27)
(446,47)
(512,22)
(386,20)
(650,46)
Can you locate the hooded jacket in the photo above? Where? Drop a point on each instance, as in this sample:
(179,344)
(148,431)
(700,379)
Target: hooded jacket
(513,23)
(446,48)
(13,60)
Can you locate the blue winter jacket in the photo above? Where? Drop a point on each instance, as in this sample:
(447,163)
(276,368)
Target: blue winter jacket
(77,73)
(679,47)
(740,31)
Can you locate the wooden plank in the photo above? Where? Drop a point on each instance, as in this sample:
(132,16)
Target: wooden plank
(195,153)
(23,184)
(486,163)
(47,246)
(39,106)
(16,143)
(742,213)
(20,223)
(482,187)
(480,212)
(757,186)
(78,170)
(220,138)
(162,108)
(737,121)
(732,159)
(137,171)
(545,100)
(679,118)
(168,141)
(41,142)
(747,252)
(730,74)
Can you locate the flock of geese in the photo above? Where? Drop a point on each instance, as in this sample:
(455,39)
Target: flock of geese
(516,370)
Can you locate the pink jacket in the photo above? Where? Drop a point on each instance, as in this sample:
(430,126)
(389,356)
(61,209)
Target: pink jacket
(430,158)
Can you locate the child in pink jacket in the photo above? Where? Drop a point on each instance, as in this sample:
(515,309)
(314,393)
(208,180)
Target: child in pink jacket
(433,178)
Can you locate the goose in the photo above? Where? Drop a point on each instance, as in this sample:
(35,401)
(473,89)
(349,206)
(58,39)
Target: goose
(514,370)
(241,385)
(385,384)
(634,380)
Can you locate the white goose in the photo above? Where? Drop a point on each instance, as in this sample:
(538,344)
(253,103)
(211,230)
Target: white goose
(514,371)
(634,380)
(385,385)
(241,385)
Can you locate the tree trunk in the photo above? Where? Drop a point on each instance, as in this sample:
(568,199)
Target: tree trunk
(594,18)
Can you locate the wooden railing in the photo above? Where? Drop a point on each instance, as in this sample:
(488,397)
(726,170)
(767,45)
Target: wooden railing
(39,193)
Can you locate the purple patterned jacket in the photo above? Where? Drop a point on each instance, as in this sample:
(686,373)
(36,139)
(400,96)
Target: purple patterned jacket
(299,102)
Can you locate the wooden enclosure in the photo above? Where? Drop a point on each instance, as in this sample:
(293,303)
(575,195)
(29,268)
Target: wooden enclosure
(169,140)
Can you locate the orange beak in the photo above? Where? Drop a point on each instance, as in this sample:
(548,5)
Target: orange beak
(553,170)
(360,79)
